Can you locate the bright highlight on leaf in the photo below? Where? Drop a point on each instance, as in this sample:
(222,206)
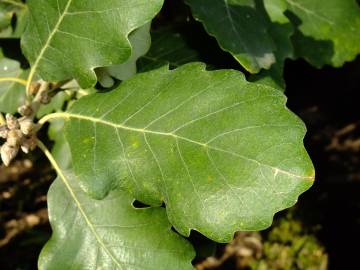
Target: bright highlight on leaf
(222,153)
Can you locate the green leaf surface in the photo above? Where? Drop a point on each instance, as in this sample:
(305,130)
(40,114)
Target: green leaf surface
(167,48)
(60,150)
(326,25)
(109,234)
(69,38)
(276,10)
(222,153)
(239,29)
(140,41)
(12,94)
(13,18)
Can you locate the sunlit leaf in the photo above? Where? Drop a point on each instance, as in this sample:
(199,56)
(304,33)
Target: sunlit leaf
(223,154)
(69,38)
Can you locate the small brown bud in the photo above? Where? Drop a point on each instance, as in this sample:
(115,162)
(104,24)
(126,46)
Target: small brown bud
(25,110)
(14,137)
(34,88)
(8,153)
(26,126)
(11,121)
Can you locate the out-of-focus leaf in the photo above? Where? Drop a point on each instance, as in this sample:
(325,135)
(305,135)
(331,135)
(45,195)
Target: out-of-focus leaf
(13,18)
(12,94)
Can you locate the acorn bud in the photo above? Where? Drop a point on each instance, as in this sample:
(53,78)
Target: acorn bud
(3,131)
(25,110)
(11,121)
(14,137)
(26,126)
(8,153)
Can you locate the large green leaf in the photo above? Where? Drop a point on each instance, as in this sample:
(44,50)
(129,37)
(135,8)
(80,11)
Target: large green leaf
(13,18)
(12,94)
(109,234)
(70,38)
(167,48)
(327,25)
(239,28)
(222,153)
(60,150)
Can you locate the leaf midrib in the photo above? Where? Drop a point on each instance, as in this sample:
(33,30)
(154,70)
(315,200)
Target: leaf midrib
(68,115)
(47,43)
(78,203)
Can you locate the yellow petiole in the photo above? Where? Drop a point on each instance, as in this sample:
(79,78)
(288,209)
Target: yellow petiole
(13,79)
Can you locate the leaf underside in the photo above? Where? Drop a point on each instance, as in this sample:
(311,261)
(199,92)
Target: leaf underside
(140,41)
(109,234)
(223,154)
(68,39)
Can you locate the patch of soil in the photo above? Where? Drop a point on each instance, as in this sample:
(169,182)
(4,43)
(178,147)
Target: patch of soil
(24,225)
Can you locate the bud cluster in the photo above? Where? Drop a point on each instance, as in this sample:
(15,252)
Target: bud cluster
(19,133)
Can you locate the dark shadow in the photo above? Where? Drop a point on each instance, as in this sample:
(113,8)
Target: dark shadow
(11,49)
(138,204)
(316,52)
(326,101)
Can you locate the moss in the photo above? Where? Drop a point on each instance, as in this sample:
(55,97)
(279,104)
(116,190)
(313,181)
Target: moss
(290,246)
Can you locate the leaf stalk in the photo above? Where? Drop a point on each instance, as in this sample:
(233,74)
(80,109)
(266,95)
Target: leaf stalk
(13,79)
